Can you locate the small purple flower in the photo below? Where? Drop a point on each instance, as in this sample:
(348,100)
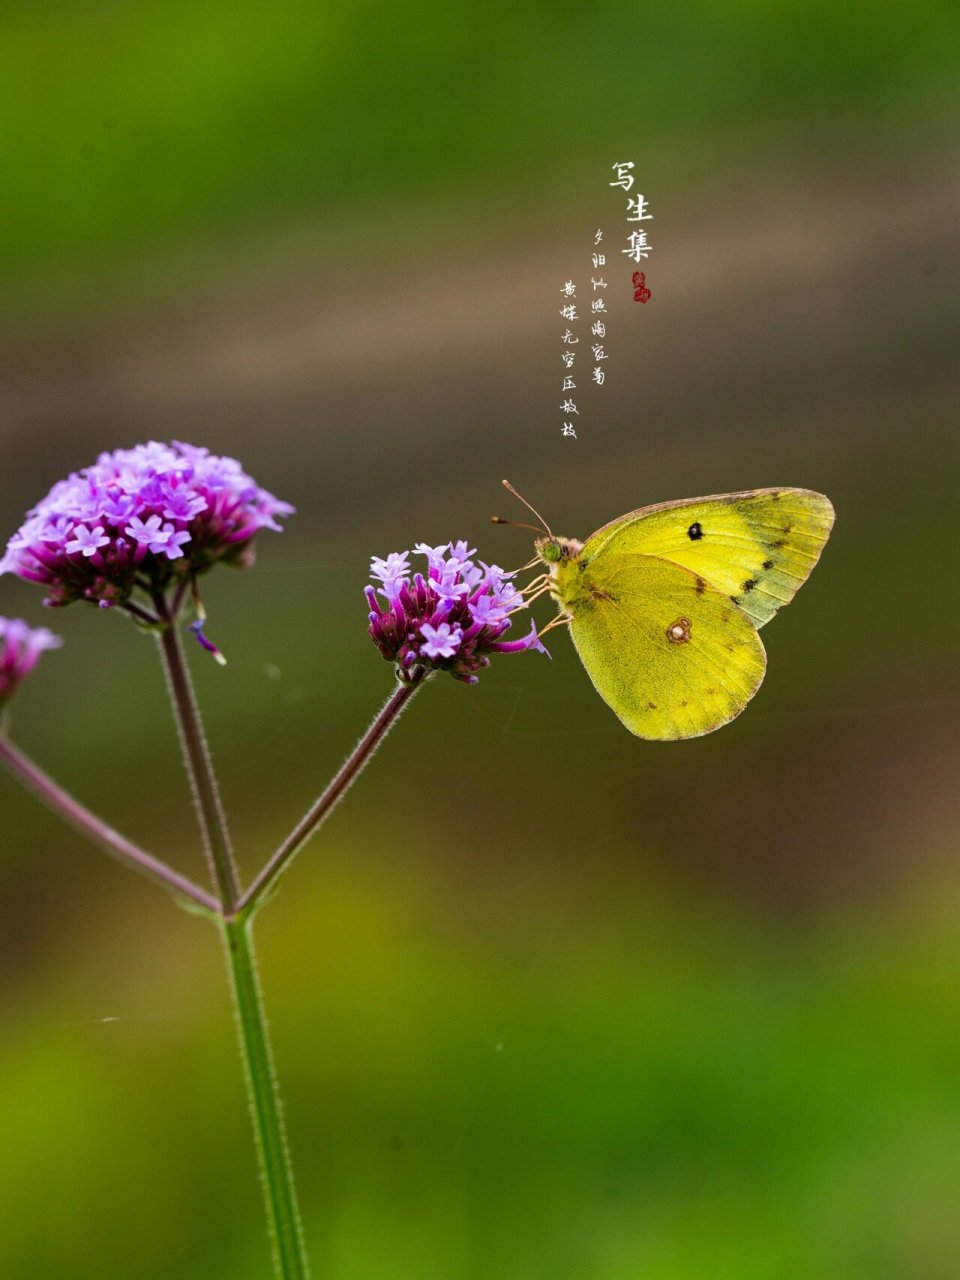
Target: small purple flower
(175,540)
(86,541)
(150,516)
(20,650)
(451,620)
(147,533)
(484,609)
(391,572)
(461,551)
(442,641)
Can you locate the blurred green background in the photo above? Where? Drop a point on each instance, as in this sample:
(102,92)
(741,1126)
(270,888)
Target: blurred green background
(548,1002)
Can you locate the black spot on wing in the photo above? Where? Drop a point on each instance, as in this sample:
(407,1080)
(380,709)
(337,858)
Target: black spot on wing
(768,564)
(695,532)
(749,584)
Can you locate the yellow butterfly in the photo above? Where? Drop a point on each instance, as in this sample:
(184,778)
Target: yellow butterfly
(664,604)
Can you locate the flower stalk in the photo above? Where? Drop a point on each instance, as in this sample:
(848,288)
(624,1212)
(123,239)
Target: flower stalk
(203,783)
(339,785)
(95,829)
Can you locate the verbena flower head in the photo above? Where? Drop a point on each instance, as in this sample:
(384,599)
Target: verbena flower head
(151,515)
(20,650)
(450,619)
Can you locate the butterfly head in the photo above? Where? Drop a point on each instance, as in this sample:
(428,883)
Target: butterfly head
(553,550)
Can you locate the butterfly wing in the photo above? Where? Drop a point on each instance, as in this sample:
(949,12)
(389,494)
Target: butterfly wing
(757,547)
(671,655)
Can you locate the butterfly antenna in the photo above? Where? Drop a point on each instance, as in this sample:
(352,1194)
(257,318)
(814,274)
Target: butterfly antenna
(515,524)
(544,527)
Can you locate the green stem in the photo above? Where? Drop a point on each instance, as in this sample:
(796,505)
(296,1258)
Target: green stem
(336,789)
(290,1258)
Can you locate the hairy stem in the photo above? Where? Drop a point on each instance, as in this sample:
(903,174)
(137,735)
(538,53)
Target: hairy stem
(290,1258)
(347,774)
(95,829)
(213,823)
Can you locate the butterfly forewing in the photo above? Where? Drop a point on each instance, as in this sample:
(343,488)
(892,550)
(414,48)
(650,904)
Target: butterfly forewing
(755,547)
(673,656)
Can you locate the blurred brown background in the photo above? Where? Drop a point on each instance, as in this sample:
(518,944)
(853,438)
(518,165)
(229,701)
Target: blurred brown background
(548,1001)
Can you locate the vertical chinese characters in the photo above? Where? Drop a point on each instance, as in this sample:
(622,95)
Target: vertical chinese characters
(572,308)
(637,246)
(598,310)
(568,356)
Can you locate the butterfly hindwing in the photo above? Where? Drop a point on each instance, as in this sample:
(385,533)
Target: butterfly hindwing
(672,656)
(757,547)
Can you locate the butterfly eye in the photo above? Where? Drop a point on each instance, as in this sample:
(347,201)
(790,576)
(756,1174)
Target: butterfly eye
(552,551)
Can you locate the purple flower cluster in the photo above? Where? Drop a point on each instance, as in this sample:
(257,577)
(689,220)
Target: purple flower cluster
(20,650)
(450,620)
(144,516)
